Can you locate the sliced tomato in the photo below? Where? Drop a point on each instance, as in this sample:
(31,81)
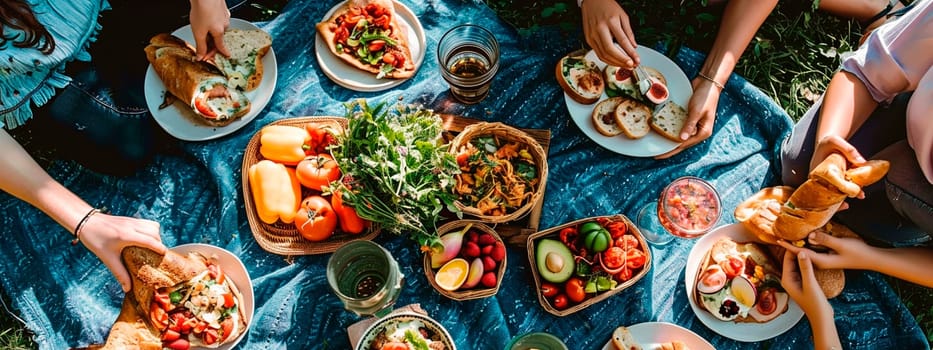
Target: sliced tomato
(395,346)
(376,45)
(177,319)
(228,300)
(614,257)
(200,327)
(170,335)
(215,272)
(627,242)
(226,327)
(624,275)
(210,336)
(158,316)
(163,299)
(203,108)
(733,266)
(617,228)
(189,325)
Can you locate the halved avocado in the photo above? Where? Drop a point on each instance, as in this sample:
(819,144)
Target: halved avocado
(554,260)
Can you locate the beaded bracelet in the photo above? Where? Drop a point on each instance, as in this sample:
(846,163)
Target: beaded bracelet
(715,83)
(81,223)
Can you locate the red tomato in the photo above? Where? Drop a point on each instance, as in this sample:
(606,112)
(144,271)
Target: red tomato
(617,228)
(228,300)
(210,336)
(320,139)
(177,319)
(614,257)
(170,335)
(316,219)
(202,107)
(560,302)
(574,289)
(226,326)
(214,271)
(624,275)
(349,221)
(190,324)
(158,316)
(376,45)
(635,258)
(317,171)
(178,344)
(549,289)
(395,346)
(163,300)
(628,242)
(733,266)
(200,327)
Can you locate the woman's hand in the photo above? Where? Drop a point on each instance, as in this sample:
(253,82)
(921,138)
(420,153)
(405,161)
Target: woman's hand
(604,24)
(701,115)
(209,20)
(847,253)
(800,283)
(834,143)
(107,235)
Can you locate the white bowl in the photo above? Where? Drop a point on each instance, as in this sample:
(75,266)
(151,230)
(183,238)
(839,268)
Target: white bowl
(432,325)
(235,271)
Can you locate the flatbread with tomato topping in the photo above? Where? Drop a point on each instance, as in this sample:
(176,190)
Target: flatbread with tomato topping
(367,35)
(740,282)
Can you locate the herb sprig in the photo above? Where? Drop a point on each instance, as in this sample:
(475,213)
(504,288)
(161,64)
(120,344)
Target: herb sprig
(396,170)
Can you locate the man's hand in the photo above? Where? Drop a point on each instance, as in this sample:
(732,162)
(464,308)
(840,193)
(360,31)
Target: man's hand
(209,20)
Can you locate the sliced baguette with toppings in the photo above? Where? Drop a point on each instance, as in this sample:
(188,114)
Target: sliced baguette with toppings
(622,339)
(669,120)
(581,79)
(243,68)
(604,116)
(632,117)
(622,82)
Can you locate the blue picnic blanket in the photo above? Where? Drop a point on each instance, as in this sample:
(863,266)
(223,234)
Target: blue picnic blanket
(68,297)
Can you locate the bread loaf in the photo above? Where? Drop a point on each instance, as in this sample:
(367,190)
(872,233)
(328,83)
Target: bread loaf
(243,68)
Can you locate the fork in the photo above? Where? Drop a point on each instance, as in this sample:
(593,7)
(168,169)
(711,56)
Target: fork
(644,80)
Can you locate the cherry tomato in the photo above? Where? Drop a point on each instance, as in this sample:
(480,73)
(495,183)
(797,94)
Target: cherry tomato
(162,298)
(213,270)
(614,257)
(349,221)
(560,302)
(316,219)
(229,300)
(733,266)
(321,137)
(210,336)
(617,228)
(318,171)
(627,242)
(158,316)
(574,289)
(635,258)
(170,335)
(624,275)
(200,327)
(549,289)
(178,344)
(176,321)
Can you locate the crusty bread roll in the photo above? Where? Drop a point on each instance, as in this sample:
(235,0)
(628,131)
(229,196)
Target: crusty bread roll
(622,339)
(758,212)
(580,78)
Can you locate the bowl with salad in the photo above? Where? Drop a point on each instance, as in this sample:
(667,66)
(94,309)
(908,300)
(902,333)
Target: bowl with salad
(406,330)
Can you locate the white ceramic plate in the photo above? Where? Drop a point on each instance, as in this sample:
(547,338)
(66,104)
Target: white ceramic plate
(234,269)
(373,330)
(747,332)
(652,144)
(355,79)
(180,121)
(650,335)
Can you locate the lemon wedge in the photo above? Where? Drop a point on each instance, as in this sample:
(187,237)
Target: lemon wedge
(452,275)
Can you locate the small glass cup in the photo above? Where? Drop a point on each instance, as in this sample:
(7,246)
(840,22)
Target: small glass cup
(689,207)
(469,58)
(365,277)
(537,340)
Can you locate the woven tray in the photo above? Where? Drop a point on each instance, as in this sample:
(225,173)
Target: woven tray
(476,292)
(552,233)
(281,238)
(505,133)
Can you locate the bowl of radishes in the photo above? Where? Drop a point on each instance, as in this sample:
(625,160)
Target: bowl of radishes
(469,263)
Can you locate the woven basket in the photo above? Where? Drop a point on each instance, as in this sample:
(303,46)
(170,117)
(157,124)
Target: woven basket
(281,238)
(552,233)
(476,292)
(504,132)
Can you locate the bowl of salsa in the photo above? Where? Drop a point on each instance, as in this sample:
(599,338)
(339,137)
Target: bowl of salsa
(689,207)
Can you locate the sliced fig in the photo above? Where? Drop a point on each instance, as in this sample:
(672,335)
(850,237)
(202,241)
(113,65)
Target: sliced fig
(657,93)
(712,280)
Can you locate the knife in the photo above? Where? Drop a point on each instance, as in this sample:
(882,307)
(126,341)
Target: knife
(644,80)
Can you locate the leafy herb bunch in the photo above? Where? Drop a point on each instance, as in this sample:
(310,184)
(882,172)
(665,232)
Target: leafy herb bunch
(396,170)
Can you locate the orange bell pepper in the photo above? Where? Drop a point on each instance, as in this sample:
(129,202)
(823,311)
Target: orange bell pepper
(349,221)
(284,143)
(276,191)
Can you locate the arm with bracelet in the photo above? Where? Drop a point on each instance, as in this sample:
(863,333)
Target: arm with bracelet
(105,235)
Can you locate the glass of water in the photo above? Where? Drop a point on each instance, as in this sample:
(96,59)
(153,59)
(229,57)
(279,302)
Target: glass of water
(365,277)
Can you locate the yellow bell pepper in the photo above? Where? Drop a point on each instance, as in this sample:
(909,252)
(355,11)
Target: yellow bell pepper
(284,143)
(276,191)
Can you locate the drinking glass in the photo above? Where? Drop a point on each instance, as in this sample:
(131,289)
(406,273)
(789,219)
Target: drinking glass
(365,277)
(537,340)
(469,58)
(688,207)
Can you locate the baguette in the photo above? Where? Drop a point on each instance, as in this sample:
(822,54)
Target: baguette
(669,120)
(632,117)
(243,68)
(603,118)
(621,82)
(581,79)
